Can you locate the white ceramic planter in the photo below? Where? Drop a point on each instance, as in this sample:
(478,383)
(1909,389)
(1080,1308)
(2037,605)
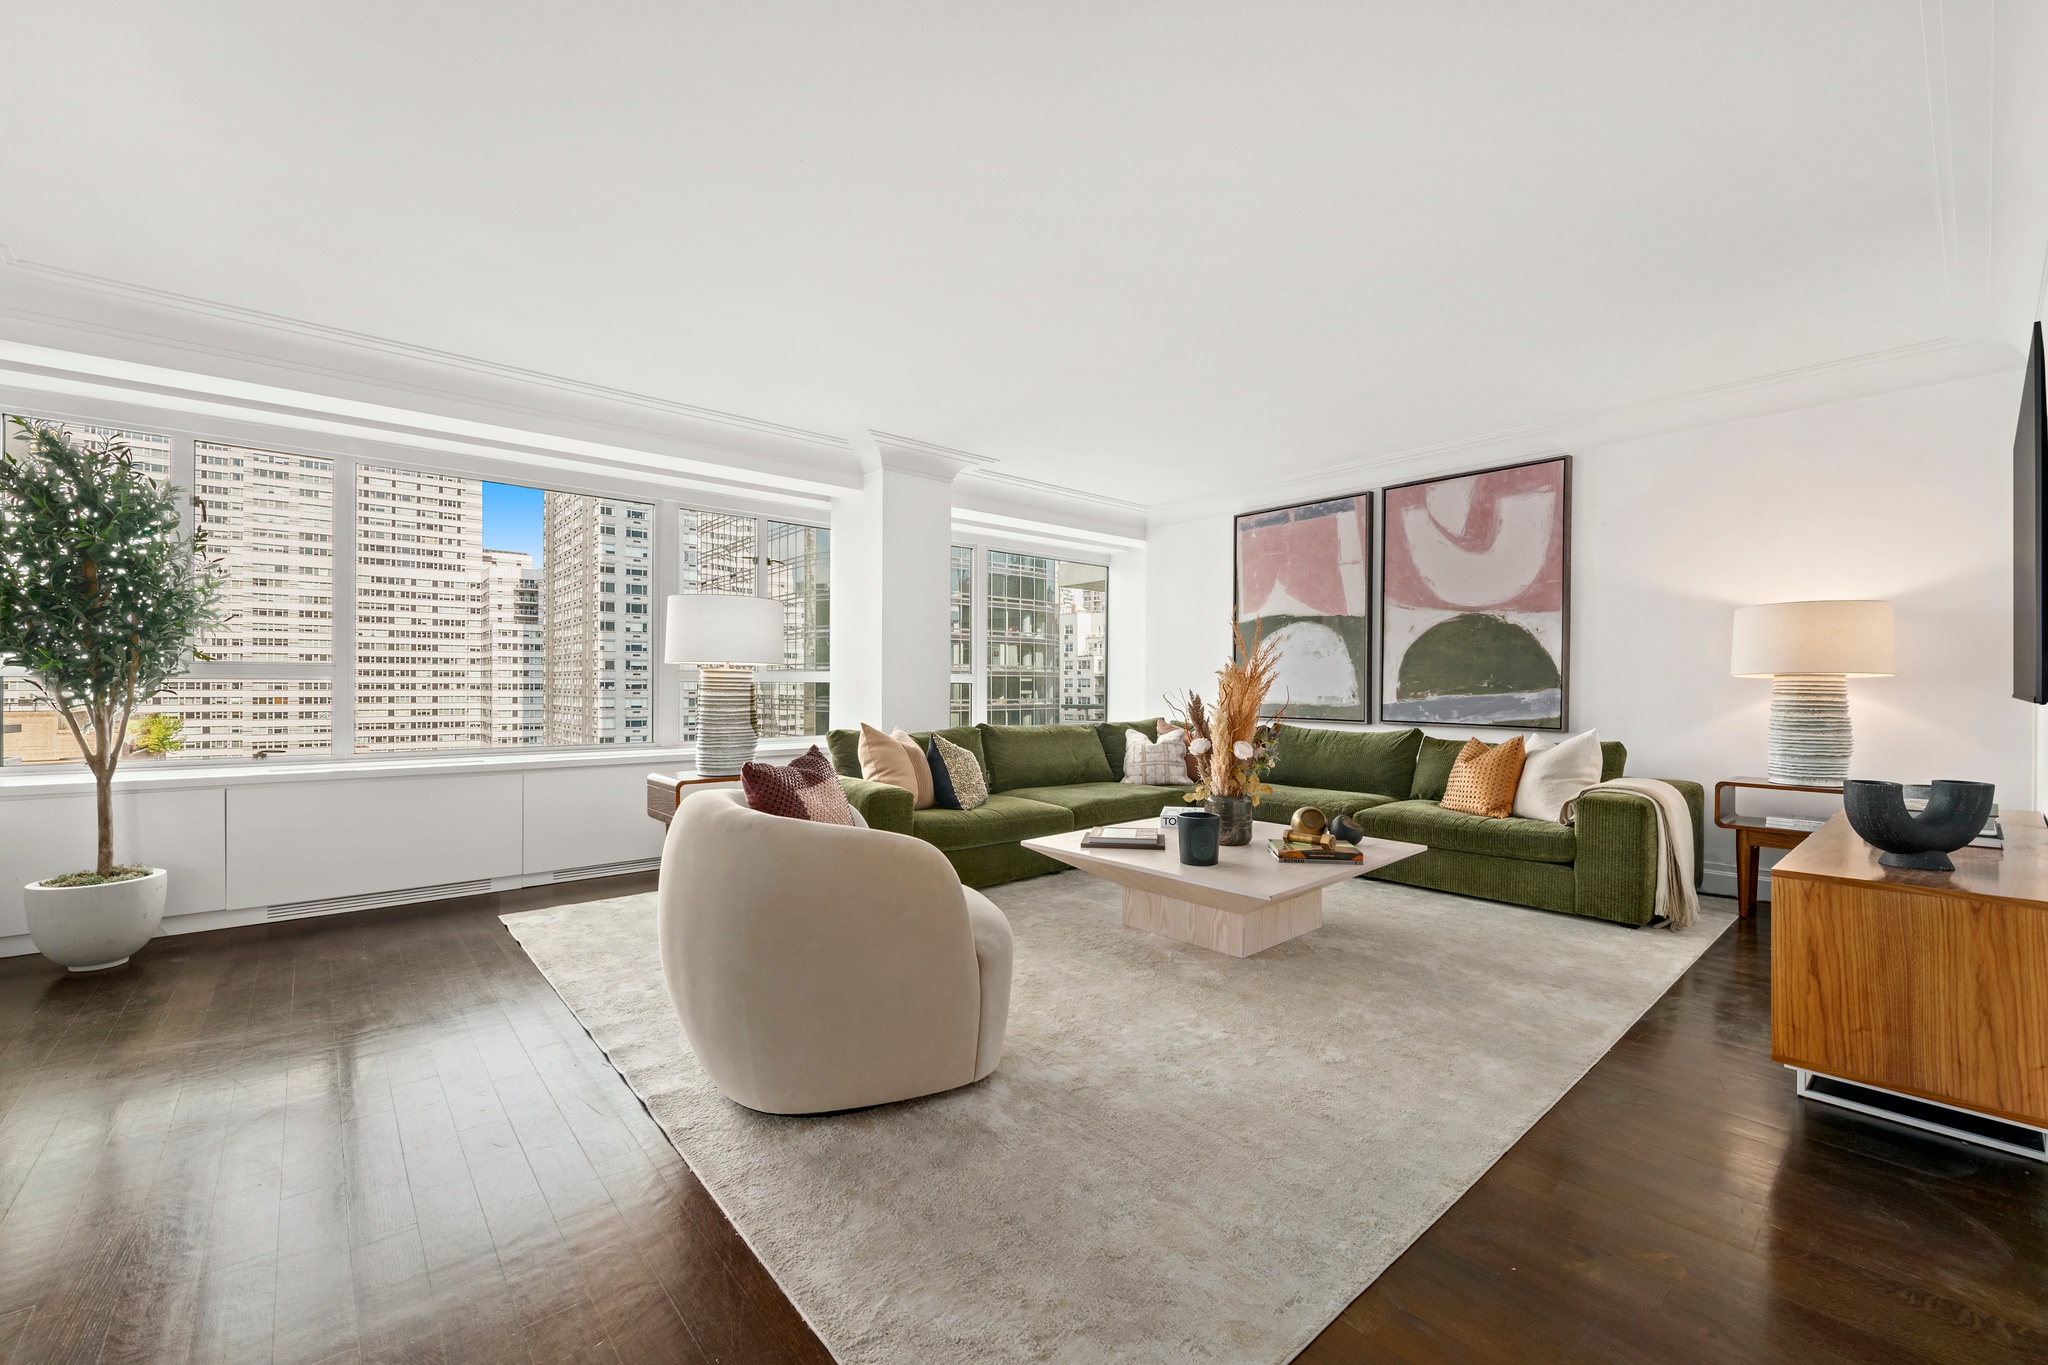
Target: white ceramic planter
(87,928)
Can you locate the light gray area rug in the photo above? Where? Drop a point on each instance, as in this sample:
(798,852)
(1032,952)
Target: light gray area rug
(1182,1155)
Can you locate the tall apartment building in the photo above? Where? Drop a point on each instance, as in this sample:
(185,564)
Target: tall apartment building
(423,646)
(1084,657)
(512,615)
(596,604)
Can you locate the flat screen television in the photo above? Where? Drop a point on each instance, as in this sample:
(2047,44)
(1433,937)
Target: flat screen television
(2029,524)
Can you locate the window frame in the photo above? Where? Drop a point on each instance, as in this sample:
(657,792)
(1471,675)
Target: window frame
(982,544)
(347,453)
(762,585)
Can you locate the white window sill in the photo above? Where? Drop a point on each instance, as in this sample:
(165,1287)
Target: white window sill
(26,781)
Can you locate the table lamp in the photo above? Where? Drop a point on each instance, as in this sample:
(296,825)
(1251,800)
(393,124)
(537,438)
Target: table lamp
(726,638)
(1809,650)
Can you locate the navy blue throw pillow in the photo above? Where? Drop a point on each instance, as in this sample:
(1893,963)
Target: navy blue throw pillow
(942,781)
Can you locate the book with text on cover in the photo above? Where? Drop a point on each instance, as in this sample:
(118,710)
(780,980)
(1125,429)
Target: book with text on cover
(1336,851)
(1123,836)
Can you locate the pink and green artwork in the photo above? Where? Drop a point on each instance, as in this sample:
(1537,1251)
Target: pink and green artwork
(1475,598)
(1304,578)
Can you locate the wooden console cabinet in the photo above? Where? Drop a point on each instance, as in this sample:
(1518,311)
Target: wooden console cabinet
(1931,985)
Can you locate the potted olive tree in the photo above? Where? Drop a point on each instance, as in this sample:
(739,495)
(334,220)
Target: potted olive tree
(102,599)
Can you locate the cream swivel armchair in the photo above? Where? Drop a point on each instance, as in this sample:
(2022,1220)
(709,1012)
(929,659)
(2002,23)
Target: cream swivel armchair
(819,967)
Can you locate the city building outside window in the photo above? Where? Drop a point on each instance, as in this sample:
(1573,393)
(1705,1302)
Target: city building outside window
(1043,626)
(724,552)
(484,614)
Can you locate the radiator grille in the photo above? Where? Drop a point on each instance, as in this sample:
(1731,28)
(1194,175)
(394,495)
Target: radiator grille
(341,905)
(577,874)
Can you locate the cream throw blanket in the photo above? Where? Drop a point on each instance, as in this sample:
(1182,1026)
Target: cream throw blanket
(1676,899)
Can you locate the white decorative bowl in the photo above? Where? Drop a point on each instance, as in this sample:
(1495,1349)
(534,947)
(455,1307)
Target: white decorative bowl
(87,928)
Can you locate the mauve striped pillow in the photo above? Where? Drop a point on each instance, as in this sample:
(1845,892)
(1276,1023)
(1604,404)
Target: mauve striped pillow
(806,789)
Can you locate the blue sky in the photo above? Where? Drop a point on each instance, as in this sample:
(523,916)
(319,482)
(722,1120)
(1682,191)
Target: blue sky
(512,518)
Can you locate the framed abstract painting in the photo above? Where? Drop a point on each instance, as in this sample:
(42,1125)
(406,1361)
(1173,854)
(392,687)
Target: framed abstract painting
(1475,598)
(1304,578)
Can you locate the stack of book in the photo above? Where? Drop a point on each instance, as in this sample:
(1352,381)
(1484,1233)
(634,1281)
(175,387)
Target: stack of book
(1322,850)
(1123,836)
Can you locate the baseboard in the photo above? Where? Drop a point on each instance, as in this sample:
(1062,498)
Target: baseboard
(201,921)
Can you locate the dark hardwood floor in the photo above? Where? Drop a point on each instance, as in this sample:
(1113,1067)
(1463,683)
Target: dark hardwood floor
(382,1137)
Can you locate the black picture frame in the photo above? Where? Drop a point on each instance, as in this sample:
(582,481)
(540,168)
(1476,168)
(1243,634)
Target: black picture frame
(1381,690)
(1363,654)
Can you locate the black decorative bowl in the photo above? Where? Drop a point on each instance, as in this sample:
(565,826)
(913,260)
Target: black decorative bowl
(1955,814)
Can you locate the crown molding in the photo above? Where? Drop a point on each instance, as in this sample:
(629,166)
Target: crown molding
(1918,365)
(880,450)
(181,342)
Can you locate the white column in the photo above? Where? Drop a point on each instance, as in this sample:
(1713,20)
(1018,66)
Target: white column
(891,565)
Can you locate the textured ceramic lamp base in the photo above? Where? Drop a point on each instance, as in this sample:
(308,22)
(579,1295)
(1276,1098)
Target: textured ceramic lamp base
(725,720)
(1810,737)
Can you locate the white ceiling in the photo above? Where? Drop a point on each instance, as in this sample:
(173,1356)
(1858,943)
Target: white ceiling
(1149,251)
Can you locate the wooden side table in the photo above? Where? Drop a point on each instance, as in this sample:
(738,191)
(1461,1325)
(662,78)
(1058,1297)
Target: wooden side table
(665,791)
(1753,835)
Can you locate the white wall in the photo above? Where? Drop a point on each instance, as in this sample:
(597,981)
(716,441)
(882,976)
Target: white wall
(1905,496)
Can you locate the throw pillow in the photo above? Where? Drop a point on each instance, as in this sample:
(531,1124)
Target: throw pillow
(965,781)
(920,768)
(805,789)
(883,758)
(1484,777)
(1159,763)
(1556,773)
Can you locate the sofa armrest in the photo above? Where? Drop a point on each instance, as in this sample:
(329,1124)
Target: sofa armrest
(1615,874)
(1695,801)
(882,805)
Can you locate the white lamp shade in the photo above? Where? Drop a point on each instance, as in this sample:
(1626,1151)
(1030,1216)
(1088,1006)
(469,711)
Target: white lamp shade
(709,629)
(1848,639)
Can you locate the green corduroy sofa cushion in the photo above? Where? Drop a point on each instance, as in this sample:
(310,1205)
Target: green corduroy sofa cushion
(1041,756)
(1433,765)
(1426,822)
(994,864)
(1104,803)
(1003,819)
(1111,733)
(1547,886)
(1279,804)
(1381,762)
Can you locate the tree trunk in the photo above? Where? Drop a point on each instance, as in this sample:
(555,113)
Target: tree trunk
(104,781)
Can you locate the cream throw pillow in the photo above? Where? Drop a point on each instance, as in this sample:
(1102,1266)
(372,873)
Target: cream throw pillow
(884,758)
(920,768)
(1159,763)
(1553,774)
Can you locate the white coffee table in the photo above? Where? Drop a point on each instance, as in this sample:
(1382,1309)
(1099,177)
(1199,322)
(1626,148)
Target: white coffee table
(1245,904)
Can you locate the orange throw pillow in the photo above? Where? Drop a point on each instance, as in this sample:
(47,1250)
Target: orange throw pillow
(1484,778)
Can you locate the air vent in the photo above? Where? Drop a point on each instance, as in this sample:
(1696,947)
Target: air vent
(341,905)
(1981,1129)
(578,874)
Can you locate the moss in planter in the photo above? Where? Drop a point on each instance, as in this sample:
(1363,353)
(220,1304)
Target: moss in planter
(119,874)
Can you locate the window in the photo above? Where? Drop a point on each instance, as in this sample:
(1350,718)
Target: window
(484,614)
(725,552)
(269,523)
(492,614)
(1044,651)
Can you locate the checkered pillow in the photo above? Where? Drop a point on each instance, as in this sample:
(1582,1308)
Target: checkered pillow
(1483,779)
(1160,764)
(806,789)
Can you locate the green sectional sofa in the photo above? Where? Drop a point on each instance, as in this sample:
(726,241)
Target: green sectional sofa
(1051,778)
